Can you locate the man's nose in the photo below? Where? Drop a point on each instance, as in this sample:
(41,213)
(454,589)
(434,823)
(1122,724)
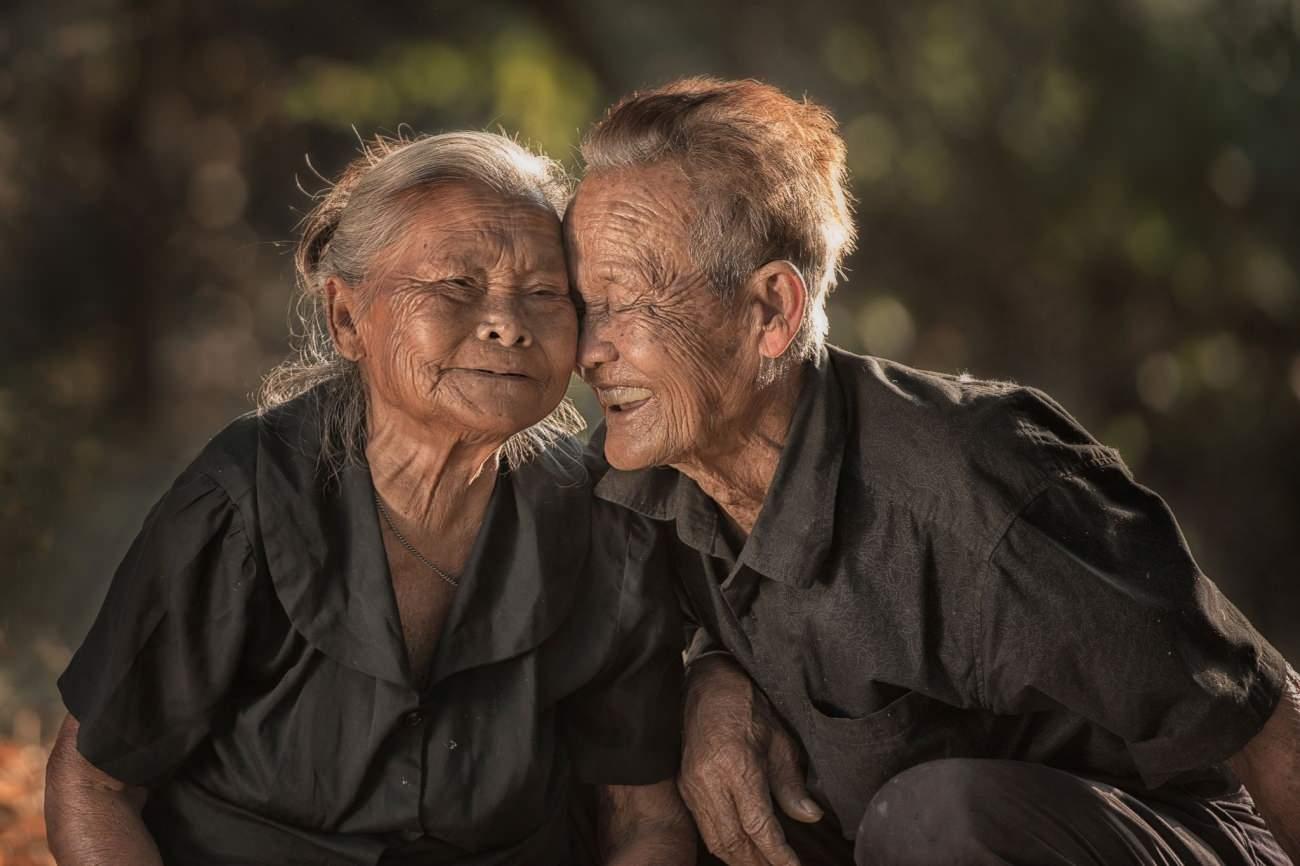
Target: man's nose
(594,346)
(502,324)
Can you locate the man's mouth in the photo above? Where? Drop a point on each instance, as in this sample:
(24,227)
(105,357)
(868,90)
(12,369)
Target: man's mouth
(622,398)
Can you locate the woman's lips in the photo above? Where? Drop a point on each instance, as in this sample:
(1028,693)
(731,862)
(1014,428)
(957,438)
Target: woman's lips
(500,374)
(623,398)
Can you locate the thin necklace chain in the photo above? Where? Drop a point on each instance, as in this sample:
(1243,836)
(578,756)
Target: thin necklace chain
(397,533)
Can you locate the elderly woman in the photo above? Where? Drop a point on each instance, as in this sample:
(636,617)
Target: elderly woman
(383,621)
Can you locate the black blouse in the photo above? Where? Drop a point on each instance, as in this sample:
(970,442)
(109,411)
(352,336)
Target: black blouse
(248,666)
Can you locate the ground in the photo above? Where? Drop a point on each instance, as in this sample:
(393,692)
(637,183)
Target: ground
(22,801)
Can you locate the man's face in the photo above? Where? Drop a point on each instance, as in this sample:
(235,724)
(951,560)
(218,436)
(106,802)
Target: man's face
(668,360)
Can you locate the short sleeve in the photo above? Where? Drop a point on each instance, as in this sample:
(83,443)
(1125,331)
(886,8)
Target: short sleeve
(1092,601)
(624,727)
(702,644)
(152,673)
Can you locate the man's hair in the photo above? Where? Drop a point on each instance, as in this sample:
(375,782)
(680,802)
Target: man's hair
(768,177)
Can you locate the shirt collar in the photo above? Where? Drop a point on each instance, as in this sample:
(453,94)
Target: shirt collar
(794,530)
(326,557)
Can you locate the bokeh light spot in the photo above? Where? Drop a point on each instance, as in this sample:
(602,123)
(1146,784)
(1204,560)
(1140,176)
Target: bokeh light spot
(872,142)
(1128,434)
(218,194)
(1220,361)
(1160,381)
(849,53)
(927,169)
(1268,280)
(1232,177)
(1149,242)
(945,72)
(886,327)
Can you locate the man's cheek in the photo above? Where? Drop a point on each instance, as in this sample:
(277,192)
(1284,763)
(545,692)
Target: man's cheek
(689,353)
(676,420)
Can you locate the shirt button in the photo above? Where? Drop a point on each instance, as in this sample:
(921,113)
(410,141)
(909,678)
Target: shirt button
(415,718)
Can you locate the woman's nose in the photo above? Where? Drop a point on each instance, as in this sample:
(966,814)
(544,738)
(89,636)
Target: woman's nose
(501,325)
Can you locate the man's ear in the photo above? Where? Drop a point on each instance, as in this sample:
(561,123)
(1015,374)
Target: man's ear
(340,306)
(778,296)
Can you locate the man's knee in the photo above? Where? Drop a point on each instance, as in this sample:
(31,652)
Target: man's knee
(927,814)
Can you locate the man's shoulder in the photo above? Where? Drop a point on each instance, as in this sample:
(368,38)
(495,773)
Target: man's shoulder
(968,441)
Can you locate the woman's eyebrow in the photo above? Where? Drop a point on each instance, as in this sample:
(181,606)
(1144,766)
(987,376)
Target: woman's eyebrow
(425,277)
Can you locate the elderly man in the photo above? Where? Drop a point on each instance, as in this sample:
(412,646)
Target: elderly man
(986,640)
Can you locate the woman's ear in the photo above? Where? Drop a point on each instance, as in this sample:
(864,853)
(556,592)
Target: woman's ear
(779,298)
(340,306)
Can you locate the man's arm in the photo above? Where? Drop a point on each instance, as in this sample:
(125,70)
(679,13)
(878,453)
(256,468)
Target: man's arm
(644,825)
(91,818)
(1269,767)
(737,757)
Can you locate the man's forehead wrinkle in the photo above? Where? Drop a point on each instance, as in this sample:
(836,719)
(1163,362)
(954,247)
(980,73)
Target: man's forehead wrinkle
(654,267)
(631,236)
(634,201)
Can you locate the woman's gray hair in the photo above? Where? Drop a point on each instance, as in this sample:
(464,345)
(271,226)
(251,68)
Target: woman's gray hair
(363,212)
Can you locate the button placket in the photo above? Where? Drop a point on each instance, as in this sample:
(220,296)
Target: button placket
(410,776)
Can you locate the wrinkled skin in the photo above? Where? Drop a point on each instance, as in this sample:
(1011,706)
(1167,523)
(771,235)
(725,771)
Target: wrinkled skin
(676,371)
(467,324)
(651,322)
(735,751)
(1269,767)
(465,334)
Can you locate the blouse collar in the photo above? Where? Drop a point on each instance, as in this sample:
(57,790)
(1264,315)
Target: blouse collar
(321,536)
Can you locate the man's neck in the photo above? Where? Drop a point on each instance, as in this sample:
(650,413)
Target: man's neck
(737,469)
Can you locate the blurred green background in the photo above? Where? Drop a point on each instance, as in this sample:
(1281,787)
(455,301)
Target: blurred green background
(1098,198)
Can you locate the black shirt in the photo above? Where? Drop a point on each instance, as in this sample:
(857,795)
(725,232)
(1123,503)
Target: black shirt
(248,666)
(945,567)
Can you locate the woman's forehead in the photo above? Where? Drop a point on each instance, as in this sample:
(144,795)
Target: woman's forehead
(477,228)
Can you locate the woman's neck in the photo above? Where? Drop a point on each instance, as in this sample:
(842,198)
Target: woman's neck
(737,469)
(431,479)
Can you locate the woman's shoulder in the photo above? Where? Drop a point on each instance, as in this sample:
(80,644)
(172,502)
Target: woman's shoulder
(231,456)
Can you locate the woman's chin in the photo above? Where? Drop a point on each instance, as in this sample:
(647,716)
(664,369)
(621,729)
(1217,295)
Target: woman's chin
(496,410)
(490,423)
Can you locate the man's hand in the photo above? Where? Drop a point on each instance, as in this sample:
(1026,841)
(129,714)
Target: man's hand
(1269,767)
(737,757)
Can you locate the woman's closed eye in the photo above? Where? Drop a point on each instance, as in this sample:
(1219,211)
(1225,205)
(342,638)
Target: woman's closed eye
(548,291)
(464,285)
(442,287)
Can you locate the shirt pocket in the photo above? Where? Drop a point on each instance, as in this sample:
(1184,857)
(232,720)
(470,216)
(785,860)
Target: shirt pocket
(850,759)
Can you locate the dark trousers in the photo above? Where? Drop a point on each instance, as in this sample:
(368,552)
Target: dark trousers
(977,812)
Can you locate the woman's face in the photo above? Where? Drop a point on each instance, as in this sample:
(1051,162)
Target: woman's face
(469,328)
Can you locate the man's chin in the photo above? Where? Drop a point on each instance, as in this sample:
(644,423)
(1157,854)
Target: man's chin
(624,462)
(626,457)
